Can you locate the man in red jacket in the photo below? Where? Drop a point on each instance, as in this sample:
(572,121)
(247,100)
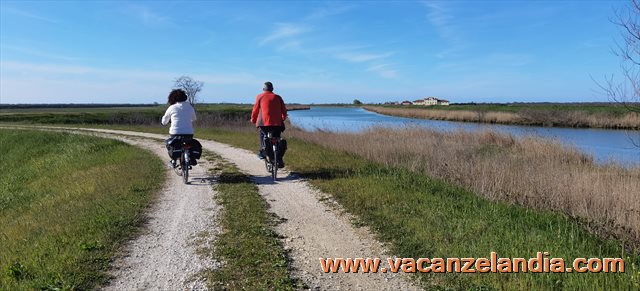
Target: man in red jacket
(269,114)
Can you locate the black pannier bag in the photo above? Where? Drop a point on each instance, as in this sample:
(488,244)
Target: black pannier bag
(174,146)
(196,149)
(269,150)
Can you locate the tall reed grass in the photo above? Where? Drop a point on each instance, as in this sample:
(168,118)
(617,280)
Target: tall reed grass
(529,171)
(543,117)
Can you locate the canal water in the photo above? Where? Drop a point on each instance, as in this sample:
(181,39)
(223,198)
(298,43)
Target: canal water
(604,144)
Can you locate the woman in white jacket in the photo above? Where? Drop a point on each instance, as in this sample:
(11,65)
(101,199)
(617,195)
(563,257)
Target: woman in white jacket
(181,116)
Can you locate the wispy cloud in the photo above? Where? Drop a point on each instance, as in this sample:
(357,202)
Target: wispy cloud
(291,45)
(362,57)
(38,53)
(384,70)
(331,10)
(29,14)
(292,37)
(441,17)
(61,70)
(508,59)
(283,31)
(148,16)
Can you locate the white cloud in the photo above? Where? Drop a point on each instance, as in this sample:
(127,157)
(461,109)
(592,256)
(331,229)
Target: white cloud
(62,70)
(38,53)
(147,16)
(329,11)
(283,31)
(292,45)
(442,18)
(51,83)
(28,14)
(384,70)
(362,57)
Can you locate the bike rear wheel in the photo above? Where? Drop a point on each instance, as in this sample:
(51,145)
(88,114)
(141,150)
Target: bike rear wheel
(274,164)
(185,167)
(267,165)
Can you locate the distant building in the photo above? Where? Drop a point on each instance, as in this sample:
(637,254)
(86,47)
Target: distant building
(430,101)
(427,101)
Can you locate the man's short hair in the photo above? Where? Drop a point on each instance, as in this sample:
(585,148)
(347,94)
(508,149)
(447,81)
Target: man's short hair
(268,86)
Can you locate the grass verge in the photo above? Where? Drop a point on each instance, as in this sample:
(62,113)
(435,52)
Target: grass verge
(67,202)
(252,256)
(419,216)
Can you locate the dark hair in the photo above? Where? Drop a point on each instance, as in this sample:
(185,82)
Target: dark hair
(177,95)
(267,86)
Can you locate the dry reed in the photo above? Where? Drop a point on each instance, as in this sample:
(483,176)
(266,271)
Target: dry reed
(567,118)
(530,171)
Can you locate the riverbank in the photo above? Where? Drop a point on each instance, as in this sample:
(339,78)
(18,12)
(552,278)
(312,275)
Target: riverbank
(419,215)
(557,116)
(409,188)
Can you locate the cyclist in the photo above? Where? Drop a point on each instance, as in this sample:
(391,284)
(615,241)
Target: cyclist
(181,115)
(269,114)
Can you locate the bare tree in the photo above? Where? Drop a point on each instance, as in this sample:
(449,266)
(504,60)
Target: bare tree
(626,89)
(190,86)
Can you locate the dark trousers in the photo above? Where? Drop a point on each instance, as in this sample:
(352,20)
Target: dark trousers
(276,131)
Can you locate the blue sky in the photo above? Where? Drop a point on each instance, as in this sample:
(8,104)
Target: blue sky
(313,51)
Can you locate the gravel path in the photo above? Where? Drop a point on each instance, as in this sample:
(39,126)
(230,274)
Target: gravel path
(164,257)
(311,230)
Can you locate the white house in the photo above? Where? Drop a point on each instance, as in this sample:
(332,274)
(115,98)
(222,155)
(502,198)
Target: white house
(430,101)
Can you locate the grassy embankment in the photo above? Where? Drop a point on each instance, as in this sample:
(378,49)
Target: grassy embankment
(421,216)
(411,202)
(252,256)
(207,114)
(564,115)
(67,202)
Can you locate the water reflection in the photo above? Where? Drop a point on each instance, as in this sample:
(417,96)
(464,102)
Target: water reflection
(604,144)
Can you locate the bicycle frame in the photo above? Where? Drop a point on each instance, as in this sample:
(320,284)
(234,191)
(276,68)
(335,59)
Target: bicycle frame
(271,161)
(184,162)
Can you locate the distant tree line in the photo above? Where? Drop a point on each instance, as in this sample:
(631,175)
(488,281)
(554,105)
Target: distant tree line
(72,105)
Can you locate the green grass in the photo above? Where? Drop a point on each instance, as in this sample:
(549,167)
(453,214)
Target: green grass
(116,115)
(252,256)
(67,202)
(424,217)
(418,216)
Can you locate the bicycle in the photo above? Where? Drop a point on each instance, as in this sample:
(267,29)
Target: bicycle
(271,160)
(182,169)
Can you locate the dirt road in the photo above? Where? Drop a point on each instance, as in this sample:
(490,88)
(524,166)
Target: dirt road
(164,257)
(311,230)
